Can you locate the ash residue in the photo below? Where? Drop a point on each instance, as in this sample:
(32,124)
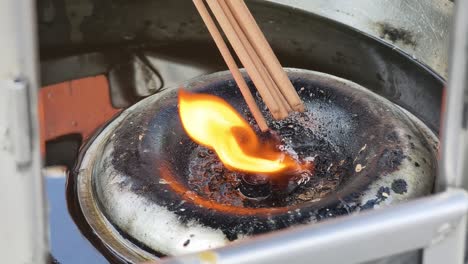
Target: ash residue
(209,178)
(395,34)
(127,157)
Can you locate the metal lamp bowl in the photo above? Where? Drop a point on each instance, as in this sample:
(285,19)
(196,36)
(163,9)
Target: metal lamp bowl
(123,191)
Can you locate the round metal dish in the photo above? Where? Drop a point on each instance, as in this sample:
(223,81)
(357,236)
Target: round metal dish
(132,179)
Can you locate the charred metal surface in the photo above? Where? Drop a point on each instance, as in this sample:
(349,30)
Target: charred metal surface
(254,187)
(78,25)
(145,168)
(399,186)
(395,34)
(173,30)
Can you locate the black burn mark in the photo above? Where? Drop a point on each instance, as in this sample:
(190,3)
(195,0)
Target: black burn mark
(331,212)
(382,194)
(187,242)
(391,158)
(127,156)
(400,186)
(392,136)
(395,34)
(369,204)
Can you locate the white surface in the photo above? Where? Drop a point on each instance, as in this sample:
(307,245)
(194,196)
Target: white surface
(22,225)
(428,20)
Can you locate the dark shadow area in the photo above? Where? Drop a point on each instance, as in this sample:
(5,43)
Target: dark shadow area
(63,150)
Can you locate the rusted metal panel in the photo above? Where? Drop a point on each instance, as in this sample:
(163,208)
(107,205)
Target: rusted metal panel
(74,107)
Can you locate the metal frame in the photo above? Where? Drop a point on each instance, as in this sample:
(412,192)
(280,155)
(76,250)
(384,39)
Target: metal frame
(454,134)
(23,235)
(436,224)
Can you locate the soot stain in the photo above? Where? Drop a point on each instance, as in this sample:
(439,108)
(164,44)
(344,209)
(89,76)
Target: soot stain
(382,194)
(369,204)
(187,242)
(127,157)
(391,159)
(331,212)
(380,77)
(395,34)
(392,136)
(399,186)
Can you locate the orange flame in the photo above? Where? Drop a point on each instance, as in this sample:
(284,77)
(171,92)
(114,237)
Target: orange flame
(212,122)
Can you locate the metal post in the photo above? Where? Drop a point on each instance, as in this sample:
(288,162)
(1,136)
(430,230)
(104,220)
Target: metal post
(23,236)
(454,132)
(435,224)
(453,165)
(448,245)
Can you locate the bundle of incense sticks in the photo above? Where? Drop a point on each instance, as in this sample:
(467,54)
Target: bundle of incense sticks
(255,54)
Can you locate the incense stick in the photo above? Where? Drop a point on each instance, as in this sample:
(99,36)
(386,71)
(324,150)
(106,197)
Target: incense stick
(255,54)
(244,56)
(267,80)
(264,50)
(224,50)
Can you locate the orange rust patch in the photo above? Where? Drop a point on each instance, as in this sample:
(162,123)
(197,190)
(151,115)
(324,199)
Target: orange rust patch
(74,107)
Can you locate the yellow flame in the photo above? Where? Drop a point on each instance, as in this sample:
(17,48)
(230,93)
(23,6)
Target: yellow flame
(212,122)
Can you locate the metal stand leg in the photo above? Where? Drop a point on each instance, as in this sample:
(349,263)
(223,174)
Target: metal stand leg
(435,224)
(23,231)
(449,245)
